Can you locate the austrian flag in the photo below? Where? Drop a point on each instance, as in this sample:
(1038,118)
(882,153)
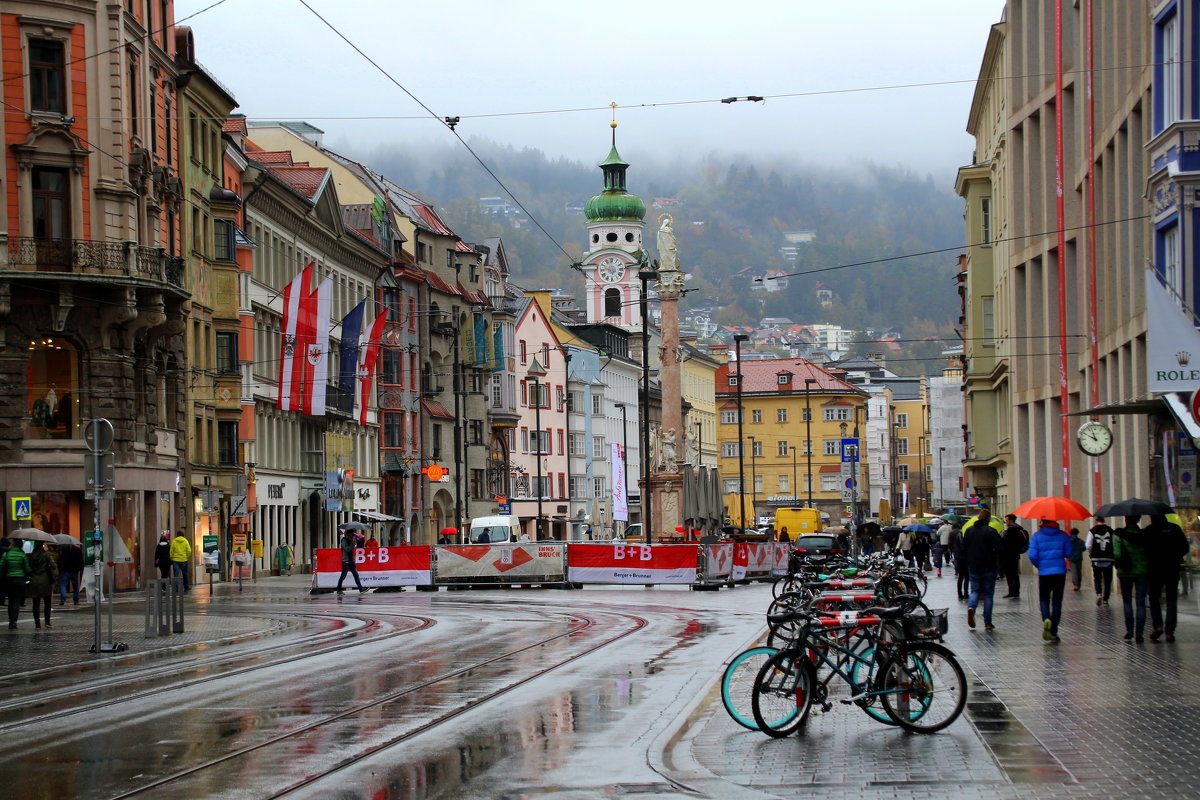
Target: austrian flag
(304,352)
(291,369)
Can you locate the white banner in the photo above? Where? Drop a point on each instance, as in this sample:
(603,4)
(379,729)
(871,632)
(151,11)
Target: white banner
(500,563)
(620,510)
(1172,342)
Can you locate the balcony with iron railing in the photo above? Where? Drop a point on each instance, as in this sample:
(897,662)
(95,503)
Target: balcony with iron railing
(90,258)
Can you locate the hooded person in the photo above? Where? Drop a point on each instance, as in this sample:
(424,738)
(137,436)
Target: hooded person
(162,555)
(1050,552)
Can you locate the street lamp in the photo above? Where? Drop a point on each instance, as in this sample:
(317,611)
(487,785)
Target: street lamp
(625,460)
(754,478)
(645,276)
(738,338)
(808,425)
(537,413)
(795,483)
(941,495)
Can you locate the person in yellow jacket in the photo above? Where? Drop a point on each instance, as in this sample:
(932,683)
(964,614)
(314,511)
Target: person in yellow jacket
(181,558)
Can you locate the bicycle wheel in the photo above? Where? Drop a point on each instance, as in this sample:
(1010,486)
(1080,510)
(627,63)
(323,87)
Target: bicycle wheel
(737,684)
(783,694)
(860,676)
(923,687)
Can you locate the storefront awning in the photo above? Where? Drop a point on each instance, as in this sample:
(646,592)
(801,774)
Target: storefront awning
(1138,405)
(1182,411)
(375,516)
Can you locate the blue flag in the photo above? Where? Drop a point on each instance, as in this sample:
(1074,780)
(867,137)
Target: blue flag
(351,333)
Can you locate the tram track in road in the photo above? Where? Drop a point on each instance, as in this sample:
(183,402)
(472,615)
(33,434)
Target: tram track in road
(189,780)
(53,705)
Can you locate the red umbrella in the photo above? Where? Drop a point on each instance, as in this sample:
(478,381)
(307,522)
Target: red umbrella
(449,531)
(1051,508)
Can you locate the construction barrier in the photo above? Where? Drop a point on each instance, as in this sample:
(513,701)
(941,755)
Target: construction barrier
(632,563)
(377,566)
(702,566)
(500,563)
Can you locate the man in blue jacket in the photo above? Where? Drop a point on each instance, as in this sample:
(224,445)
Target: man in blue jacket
(1049,552)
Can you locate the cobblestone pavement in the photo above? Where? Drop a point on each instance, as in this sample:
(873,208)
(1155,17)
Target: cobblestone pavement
(1094,715)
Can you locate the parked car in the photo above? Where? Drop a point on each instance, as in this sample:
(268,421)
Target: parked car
(819,545)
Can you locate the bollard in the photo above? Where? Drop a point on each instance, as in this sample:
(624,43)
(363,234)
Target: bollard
(176,605)
(164,607)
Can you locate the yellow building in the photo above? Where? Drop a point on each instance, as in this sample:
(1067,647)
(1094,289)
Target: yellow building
(794,417)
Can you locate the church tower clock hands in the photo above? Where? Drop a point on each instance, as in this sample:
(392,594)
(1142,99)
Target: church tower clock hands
(615,221)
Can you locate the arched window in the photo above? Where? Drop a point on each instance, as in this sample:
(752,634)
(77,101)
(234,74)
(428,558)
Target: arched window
(52,381)
(612,302)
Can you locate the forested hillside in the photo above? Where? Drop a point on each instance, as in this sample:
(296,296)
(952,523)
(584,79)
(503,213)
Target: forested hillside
(874,232)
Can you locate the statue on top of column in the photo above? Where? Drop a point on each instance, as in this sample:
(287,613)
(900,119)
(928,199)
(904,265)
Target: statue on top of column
(668,250)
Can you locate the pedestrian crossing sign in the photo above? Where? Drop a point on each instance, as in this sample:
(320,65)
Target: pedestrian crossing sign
(22,507)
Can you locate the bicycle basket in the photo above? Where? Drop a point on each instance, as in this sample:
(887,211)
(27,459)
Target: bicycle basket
(920,625)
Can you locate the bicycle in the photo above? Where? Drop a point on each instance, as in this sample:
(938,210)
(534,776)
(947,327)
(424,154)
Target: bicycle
(737,684)
(917,682)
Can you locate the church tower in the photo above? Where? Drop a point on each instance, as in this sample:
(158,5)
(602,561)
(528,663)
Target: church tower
(615,220)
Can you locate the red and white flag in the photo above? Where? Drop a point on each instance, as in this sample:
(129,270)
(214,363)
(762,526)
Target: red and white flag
(366,370)
(316,340)
(291,367)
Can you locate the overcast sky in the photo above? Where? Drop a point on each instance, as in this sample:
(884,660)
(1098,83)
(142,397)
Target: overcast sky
(874,80)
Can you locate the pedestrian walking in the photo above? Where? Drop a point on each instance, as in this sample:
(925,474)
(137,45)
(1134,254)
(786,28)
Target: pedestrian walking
(43,572)
(181,558)
(936,552)
(1016,543)
(349,566)
(162,555)
(1166,545)
(1099,544)
(920,551)
(14,572)
(371,541)
(1049,552)
(3,549)
(1132,563)
(70,571)
(904,544)
(980,555)
(962,577)
(1078,548)
(784,536)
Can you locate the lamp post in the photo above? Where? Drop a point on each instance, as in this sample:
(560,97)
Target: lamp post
(921,467)
(537,413)
(795,482)
(645,276)
(808,433)
(625,460)
(699,445)
(738,338)
(941,495)
(754,478)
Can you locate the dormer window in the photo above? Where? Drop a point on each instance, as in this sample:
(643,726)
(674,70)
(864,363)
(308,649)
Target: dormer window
(733,380)
(783,378)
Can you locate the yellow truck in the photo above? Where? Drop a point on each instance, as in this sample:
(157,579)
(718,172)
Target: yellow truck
(798,521)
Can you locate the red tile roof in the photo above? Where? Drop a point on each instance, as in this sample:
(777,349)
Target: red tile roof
(760,375)
(234,125)
(430,217)
(281,157)
(305,180)
(437,283)
(435,409)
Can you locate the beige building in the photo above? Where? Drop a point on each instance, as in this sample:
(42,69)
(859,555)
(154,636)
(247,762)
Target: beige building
(1055,313)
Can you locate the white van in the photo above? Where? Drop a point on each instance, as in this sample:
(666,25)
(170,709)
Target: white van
(500,529)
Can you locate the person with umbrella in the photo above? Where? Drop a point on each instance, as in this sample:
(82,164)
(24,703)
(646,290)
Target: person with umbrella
(70,568)
(43,572)
(1166,546)
(14,571)
(1049,553)
(349,545)
(1133,574)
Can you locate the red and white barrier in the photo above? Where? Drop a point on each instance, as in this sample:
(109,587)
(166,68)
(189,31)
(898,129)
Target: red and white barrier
(632,563)
(718,562)
(501,563)
(377,566)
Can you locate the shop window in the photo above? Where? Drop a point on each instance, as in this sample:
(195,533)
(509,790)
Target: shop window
(50,399)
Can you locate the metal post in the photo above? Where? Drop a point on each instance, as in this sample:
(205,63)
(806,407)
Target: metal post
(941,494)
(795,480)
(625,460)
(753,479)
(808,434)
(738,338)
(537,414)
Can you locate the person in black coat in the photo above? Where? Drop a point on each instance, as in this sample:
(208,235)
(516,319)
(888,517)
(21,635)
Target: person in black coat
(1016,542)
(980,555)
(1166,545)
(162,555)
(70,570)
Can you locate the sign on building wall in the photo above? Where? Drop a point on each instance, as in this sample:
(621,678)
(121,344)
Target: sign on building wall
(339,472)
(1172,341)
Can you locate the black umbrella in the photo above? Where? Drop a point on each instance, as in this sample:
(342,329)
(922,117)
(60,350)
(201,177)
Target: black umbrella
(354,526)
(1133,507)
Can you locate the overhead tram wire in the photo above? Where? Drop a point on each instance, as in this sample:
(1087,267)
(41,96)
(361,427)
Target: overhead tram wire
(450,123)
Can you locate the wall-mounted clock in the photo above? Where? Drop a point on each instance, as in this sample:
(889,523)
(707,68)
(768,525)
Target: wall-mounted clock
(1094,438)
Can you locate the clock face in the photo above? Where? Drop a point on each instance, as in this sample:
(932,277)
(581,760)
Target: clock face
(1094,438)
(611,269)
